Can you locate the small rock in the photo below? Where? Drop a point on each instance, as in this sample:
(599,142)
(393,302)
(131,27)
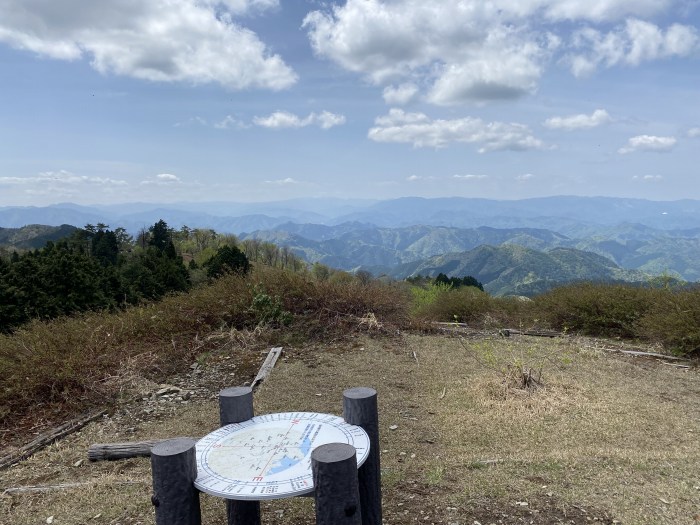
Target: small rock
(49,520)
(393,427)
(78,463)
(522,503)
(97,516)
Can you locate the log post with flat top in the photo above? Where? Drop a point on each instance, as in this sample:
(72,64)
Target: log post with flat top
(174,468)
(236,406)
(336,491)
(360,408)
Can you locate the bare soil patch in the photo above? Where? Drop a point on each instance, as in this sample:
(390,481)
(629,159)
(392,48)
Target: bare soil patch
(603,439)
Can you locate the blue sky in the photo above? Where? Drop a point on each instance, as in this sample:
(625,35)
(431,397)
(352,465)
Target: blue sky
(256,100)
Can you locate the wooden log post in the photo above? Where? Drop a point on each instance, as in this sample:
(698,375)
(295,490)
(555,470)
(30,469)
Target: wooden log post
(236,406)
(336,491)
(360,408)
(174,469)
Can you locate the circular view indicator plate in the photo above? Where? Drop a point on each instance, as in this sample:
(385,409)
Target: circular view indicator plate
(269,457)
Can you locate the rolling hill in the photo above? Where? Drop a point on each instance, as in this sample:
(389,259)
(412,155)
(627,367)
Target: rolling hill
(517,270)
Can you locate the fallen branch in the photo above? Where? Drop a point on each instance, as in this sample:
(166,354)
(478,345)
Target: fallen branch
(534,333)
(46,438)
(115,451)
(638,353)
(33,489)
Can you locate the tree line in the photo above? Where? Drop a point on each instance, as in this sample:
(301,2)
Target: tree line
(442,279)
(99,268)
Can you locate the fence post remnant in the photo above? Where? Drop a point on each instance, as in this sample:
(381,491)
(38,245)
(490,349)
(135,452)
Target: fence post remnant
(360,408)
(174,469)
(336,491)
(236,406)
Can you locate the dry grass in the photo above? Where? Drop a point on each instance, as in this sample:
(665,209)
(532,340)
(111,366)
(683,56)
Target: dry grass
(54,370)
(603,437)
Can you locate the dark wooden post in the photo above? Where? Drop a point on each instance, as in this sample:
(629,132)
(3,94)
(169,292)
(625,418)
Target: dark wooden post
(174,469)
(336,491)
(360,408)
(236,406)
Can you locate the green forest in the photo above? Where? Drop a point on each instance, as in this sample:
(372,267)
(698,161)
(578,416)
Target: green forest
(96,268)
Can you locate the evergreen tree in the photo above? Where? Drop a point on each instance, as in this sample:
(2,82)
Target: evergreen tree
(227,259)
(160,235)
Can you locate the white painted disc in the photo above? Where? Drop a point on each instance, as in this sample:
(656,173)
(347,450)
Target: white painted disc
(269,457)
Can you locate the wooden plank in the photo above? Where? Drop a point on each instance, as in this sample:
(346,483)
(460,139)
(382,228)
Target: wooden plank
(267,367)
(46,438)
(111,451)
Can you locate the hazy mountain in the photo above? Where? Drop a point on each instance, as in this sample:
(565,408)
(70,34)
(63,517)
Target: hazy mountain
(571,216)
(516,270)
(537,213)
(651,236)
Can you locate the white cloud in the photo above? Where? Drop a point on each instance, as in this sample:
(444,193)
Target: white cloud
(524,177)
(60,185)
(400,95)
(635,42)
(581,121)
(415,178)
(421,131)
(469,176)
(694,133)
(199,121)
(282,182)
(474,50)
(601,10)
(285,119)
(648,143)
(162,179)
(167,177)
(60,177)
(647,178)
(229,122)
(160,40)
(241,7)
(466,50)
(505,67)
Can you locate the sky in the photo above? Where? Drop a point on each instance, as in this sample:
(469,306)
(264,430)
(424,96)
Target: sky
(260,100)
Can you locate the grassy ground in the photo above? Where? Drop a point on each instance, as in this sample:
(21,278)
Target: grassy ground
(604,438)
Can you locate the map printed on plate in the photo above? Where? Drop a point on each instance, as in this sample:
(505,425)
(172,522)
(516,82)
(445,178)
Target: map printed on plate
(269,457)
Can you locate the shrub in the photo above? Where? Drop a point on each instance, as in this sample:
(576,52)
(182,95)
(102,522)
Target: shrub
(608,310)
(443,303)
(673,319)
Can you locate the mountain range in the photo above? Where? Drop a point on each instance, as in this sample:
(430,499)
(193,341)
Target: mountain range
(511,246)
(566,214)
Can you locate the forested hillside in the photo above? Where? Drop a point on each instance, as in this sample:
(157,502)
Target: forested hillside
(96,268)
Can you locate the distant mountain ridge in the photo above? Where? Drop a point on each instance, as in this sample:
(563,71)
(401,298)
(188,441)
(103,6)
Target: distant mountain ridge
(563,214)
(653,237)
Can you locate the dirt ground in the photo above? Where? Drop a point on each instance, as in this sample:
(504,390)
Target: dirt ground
(600,439)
